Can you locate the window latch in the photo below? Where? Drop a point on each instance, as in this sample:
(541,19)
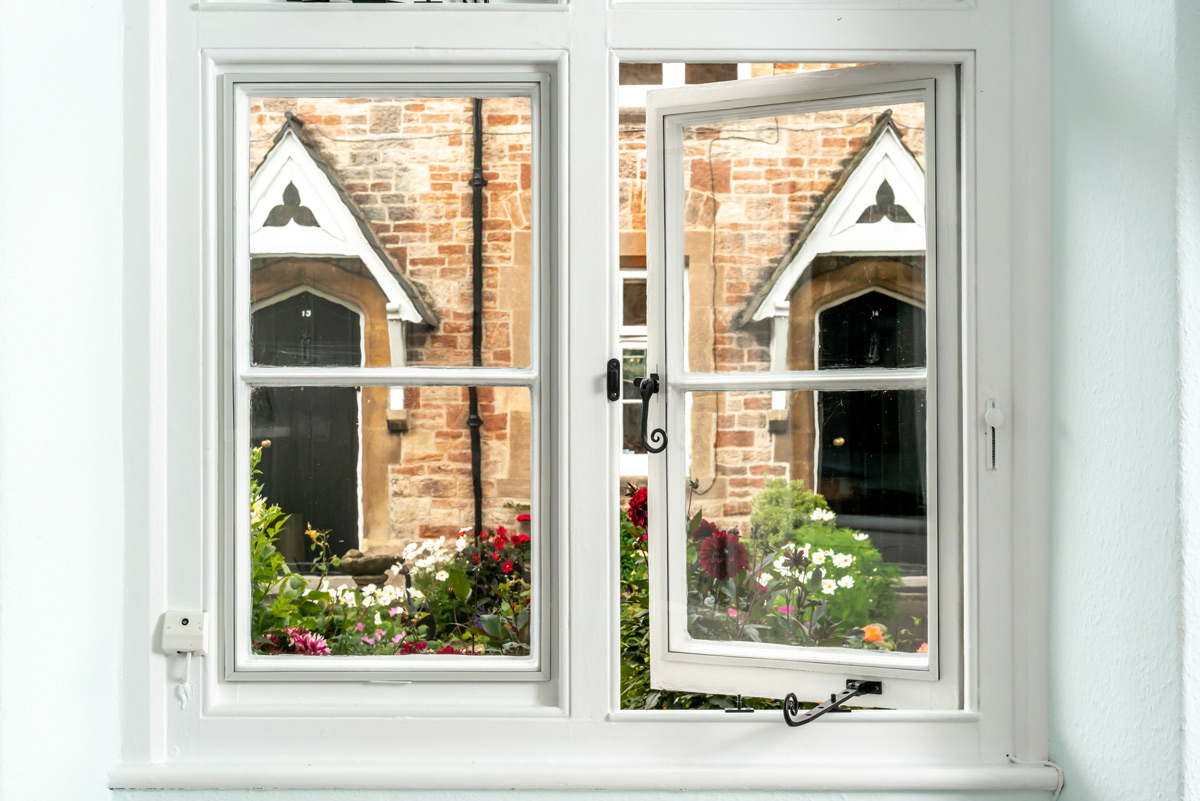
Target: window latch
(854,688)
(614,379)
(647,387)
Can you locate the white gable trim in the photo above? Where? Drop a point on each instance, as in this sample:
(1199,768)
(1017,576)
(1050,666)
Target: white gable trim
(337,234)
(838,231)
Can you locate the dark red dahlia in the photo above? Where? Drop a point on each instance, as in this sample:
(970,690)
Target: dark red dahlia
(703,531)
(722,555)
(637,508)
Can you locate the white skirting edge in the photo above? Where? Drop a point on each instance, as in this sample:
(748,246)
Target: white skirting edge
(640,776)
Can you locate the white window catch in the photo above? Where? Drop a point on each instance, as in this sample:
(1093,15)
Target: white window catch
(993,418)
(183,633)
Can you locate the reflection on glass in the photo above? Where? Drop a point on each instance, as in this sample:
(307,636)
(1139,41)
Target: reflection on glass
(771,561)
(363,208)
(770,204)
(362,535)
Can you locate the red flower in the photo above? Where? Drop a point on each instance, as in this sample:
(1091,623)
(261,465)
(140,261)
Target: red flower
(449,649)
(475,558)
(506,567)
(523,518)
(501,531)
(704,531)
(637,508)
(496,555)
(722,555)
(500,541)
(521,539)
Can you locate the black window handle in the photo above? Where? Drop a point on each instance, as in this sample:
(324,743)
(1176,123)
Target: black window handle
(648,386)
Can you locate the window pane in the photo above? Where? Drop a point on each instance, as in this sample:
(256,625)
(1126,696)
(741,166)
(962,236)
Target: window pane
(788,217)
(633,296)
(769,560)
(364,207)
(369,515)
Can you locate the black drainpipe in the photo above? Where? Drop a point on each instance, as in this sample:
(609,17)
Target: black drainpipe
(477,183)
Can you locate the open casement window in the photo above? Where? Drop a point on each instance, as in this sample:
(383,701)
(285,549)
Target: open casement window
(778,541)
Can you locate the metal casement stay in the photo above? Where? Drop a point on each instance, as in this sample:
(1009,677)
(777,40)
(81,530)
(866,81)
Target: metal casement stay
(854,688)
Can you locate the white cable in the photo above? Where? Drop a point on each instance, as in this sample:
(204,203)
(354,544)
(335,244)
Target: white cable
(184,689)
(1062,779)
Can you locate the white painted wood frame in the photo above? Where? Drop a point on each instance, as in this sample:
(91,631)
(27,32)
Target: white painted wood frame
(400,733)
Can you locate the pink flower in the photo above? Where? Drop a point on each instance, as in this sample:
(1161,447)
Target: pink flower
(397,639)
(359,625)
(378,634)
(368,641)
(305,642)
(395,610)
(733,612)
(784,610)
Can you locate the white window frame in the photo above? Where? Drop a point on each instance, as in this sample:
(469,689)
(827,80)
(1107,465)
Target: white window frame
(677,660)
(569,727)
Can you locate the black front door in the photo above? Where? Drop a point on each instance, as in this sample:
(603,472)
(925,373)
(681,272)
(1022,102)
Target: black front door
(871,465)
(310,469)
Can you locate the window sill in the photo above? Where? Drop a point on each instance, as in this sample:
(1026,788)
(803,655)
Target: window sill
(584,775)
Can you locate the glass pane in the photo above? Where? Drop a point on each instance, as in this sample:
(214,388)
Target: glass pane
(633,296)
(363,515)
(769,560)
(772,205)
(362,227)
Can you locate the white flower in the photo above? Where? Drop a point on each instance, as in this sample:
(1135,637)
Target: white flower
(818,557)
(860,536)
(378,620)
(842,560)
(460,544)
(822,515)
(416,594)
(828,586)
(765,578)
(846,581)
(441,575)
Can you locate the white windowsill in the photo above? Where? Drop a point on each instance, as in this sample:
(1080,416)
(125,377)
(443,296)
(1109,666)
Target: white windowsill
(586,775)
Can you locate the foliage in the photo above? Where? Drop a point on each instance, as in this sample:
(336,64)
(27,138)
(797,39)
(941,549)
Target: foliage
(796,579)
(636,692)
(787,513)
(469,597)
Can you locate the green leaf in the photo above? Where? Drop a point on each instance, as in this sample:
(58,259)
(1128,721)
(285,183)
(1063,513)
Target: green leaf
(523,618)
(459,583)
(694,524)
(490,624)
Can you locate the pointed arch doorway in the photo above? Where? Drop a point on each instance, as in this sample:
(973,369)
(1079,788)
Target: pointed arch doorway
(311,468)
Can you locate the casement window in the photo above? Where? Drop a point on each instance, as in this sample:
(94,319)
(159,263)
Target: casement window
(402,264)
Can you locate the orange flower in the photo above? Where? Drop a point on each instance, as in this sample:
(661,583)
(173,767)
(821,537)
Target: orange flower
(924,649)
(872,632)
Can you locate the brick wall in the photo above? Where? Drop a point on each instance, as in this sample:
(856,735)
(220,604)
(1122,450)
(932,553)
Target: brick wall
(406,164)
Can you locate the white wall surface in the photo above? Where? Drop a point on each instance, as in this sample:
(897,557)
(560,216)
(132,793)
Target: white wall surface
(1118,343)
(1114,629)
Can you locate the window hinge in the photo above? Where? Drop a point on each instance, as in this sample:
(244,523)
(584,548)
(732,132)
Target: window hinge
(854,688)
